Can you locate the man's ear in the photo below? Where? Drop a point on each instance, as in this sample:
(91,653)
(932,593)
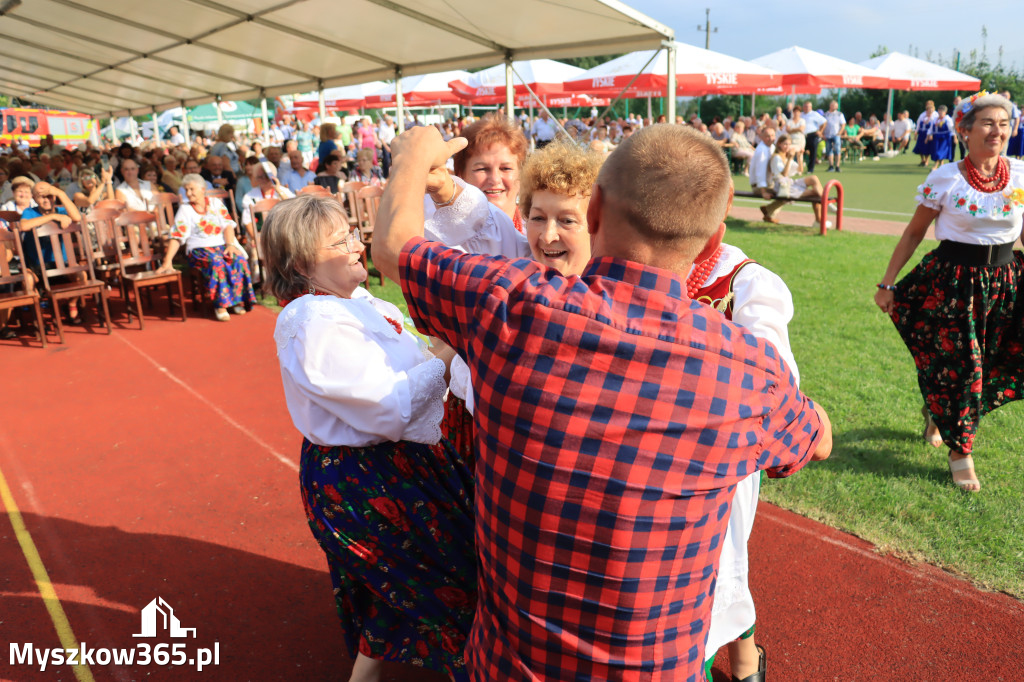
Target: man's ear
(712,244)
(594,209)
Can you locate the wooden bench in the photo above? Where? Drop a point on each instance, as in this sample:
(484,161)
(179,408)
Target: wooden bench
(826,190)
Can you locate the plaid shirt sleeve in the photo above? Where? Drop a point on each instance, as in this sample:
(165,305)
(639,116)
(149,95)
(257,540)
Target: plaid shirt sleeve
(443,287)
(793,428)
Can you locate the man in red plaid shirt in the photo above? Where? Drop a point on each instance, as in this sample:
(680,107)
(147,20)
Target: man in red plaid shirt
(614,415)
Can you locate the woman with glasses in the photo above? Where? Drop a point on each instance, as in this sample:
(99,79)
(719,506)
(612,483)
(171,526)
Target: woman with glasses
(387,498)
(205,228)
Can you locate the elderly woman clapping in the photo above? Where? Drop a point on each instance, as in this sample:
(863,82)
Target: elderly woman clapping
(387,498)
(206,229)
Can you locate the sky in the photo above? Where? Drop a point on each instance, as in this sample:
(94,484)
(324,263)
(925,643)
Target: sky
(850,31)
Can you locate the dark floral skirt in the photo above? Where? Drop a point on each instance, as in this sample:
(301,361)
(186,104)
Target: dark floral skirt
(396,523)
(457,427)
(964,326)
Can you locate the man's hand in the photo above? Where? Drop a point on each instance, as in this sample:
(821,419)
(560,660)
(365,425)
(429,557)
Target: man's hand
(424,145)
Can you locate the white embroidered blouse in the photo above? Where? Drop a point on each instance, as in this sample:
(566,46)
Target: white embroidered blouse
(969,216)
(351,379)
(473,225)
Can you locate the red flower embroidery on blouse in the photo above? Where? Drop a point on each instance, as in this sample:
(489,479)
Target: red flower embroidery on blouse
(961,202)
(926,191)
(973,207)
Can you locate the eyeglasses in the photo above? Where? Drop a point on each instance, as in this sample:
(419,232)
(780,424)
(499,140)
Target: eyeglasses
(350,243)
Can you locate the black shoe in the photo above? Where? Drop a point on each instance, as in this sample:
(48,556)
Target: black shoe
(762,668)
(838,169)
(7,334)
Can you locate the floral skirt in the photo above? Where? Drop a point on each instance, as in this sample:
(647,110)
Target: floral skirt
(227,281)
(964,326)
(457,427)
(396,523)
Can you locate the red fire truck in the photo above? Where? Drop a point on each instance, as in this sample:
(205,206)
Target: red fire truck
(68,128)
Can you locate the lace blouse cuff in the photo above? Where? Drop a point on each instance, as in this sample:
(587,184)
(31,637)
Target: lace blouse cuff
(459,222)
(426,390)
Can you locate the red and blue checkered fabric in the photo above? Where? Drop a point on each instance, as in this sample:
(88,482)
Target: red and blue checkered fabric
(614,417)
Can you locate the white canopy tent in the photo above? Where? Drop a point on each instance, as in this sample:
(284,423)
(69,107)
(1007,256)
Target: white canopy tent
(110,57)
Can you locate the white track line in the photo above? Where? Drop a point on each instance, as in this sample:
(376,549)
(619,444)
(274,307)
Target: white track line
(947,583)
(223,415)
(750,201)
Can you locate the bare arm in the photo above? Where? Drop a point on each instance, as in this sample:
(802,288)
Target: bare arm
(824,448)
(400,217)
(908,243)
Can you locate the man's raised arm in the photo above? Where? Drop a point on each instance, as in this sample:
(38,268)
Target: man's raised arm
(400,217)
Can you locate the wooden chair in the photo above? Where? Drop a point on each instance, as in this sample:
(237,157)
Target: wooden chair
(20,296)
(99,227)
(347,197)
(165,207)
(367,203)
(228,197)
(314,189)
(72,254)
(131,235)
(110,203)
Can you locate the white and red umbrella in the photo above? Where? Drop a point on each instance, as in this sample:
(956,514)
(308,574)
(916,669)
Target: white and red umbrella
(544,76)
(698,72)
(431,88)
(909,73)
(806,68)
(564,99)
(347,97)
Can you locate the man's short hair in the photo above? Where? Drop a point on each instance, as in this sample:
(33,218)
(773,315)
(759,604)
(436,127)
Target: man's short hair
(671,183)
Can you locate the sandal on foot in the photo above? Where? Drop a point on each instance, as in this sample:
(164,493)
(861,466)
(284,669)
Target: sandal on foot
(965,484)
(935,440)
(762,668)
(238,310)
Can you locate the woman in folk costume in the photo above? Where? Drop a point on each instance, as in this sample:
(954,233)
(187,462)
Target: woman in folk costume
(923,146)
(941,137)
(960,311)
(757,299)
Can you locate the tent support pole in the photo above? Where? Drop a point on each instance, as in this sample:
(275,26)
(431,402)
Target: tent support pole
(263,112)
(113,128)
(220,114)
(320,100)
(670,50)
(186,133)
(888,108)
(509,88)
(399,101)
(156,129)
(541,103)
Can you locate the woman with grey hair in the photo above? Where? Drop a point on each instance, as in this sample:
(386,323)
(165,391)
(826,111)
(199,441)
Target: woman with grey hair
(206,229)
(961,310)
(91,188)
(387,498)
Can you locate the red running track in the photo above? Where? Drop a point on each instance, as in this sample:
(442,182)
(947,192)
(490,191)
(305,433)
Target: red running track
(163,463)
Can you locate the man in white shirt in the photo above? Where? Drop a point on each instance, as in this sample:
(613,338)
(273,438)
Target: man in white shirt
(834,122)
(760,178)
(544,129)
(814,123)
(386,134)
(901,129)
(176,137)
(297,175)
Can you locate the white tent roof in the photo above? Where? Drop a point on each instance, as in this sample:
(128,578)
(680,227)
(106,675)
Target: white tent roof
(802,67)
(112,56)
(417,88)
(910,73)
(545,74)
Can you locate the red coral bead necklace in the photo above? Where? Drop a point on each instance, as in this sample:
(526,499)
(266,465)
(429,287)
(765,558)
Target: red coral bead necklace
(987,184)
(700,273)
